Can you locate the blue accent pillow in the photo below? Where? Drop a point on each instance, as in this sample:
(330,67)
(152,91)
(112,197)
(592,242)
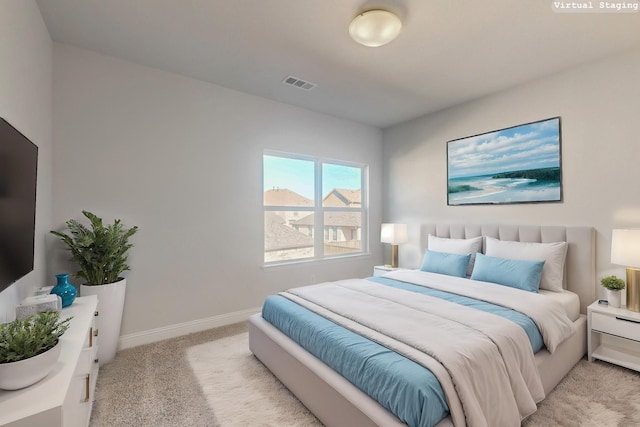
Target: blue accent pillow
(515,273)
(445,263)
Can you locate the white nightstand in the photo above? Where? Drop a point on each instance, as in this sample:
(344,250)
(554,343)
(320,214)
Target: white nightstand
(381,270)
(614,335)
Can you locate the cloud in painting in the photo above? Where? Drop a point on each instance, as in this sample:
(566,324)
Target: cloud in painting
(530,146)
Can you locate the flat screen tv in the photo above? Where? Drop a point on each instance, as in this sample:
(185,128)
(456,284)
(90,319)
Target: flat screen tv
(18,173)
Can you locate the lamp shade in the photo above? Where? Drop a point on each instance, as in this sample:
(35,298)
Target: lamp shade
(375,28)
(625,247)
(394,233)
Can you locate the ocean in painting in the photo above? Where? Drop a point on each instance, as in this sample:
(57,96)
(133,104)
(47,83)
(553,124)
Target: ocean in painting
(510,187)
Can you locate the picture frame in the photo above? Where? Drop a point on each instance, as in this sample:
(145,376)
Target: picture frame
(518,164)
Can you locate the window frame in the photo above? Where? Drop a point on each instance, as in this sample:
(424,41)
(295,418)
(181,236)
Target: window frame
(319,210)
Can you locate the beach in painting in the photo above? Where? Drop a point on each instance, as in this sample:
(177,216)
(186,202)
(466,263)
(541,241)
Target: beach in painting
(503,188)
(520,164)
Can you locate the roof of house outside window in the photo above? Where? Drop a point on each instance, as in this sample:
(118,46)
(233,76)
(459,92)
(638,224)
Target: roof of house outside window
(279,236)
(285,197)
(352,196)
(343,197)
(333,219)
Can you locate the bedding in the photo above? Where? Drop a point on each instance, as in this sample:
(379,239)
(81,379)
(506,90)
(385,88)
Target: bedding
(388,309)
(553,255)
(456,246)
(445,263)
(540,309)
(570,302)
(397,382)
(520,274)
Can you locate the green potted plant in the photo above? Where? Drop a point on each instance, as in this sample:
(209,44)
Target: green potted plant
(29,349)
(613,285)
(101,252)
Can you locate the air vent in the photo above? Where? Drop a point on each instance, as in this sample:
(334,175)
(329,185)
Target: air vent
(299,83)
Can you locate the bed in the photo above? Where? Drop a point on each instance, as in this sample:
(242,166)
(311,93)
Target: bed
(337,402)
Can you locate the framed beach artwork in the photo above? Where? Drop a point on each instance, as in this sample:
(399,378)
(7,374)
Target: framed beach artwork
(520,164)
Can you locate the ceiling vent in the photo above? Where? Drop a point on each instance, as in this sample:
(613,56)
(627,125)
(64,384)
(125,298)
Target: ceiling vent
(299,83)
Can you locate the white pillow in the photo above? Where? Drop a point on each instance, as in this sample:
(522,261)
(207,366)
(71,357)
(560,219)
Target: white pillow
(553,255)
(456,246)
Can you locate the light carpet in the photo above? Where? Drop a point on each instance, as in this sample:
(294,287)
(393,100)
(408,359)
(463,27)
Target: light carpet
(240,390)
(210,379)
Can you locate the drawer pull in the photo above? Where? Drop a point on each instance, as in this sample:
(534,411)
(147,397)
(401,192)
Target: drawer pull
(95,333)
(95,313)
(90,337)
(627,320)
(96,360)
(87,387)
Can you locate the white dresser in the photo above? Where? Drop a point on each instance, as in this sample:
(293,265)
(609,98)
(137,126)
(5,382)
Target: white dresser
(64,398)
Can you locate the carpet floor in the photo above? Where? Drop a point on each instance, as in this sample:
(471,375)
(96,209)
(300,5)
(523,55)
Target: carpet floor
(211,378)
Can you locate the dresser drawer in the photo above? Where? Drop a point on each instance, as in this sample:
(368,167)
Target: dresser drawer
(619,326)
(87,359)
(91,337)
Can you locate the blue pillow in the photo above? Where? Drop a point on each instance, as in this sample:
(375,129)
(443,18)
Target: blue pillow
(445,263)
(515,273)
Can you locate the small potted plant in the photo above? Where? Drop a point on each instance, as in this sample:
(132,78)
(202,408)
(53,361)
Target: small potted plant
(613,285)
(29,349)
(101,253)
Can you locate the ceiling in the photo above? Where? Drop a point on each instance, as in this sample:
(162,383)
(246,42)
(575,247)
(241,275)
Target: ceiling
(449,51)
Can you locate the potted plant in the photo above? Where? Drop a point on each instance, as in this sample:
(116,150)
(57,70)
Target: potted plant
(101,253)
(613,285)
(29,349)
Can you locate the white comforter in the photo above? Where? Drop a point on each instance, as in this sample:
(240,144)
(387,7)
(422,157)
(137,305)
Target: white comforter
(483,361)
(549,315)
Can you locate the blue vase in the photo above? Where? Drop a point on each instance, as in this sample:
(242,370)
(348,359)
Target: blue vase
(65,290)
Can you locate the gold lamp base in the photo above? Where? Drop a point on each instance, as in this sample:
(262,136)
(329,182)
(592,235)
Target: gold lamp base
(633,289)
(394,256)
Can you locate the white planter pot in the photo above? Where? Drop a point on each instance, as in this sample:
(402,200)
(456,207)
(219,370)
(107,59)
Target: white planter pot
(614,298)
(110,307)
(23,373)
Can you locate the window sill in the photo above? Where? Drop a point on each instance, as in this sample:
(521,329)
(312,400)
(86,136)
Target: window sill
(307,262)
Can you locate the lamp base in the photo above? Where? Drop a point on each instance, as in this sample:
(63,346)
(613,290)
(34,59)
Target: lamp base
(633,289)
(394,256)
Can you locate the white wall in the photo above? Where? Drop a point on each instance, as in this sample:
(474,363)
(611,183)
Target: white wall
(25,102)
(599,105)
(182,159)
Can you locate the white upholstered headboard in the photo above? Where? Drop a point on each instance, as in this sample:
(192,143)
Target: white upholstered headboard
(580,271)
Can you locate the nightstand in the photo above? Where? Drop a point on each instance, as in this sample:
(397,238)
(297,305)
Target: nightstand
(614,335)
(381,270)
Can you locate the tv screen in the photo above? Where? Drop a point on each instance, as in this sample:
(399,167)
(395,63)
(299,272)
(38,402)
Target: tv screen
(18,171)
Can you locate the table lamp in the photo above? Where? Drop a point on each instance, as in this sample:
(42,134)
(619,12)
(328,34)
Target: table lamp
(394,234)
(625,250)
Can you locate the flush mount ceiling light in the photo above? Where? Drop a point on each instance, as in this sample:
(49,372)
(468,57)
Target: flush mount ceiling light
(375,28)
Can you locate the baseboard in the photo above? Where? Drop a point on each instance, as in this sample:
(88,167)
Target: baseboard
(172,331)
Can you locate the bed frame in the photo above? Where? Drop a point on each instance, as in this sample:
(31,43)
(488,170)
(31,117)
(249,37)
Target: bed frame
(336,402)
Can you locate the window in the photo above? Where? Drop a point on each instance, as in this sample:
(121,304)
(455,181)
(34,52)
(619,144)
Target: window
(303,195)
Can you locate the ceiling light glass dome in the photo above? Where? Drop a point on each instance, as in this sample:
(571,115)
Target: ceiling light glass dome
(375,28)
